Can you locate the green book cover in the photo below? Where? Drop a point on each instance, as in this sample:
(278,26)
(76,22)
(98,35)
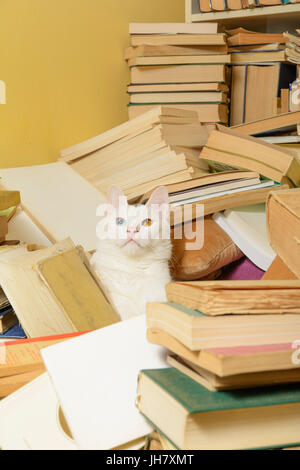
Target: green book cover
(196,399)
(186,310)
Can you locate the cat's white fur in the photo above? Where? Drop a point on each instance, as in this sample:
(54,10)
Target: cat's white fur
(133,263)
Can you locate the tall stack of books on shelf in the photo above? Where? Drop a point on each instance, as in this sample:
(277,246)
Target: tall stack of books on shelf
(180,65)
(261,75)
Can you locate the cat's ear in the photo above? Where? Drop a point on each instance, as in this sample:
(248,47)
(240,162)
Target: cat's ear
(159,198)
(115,196)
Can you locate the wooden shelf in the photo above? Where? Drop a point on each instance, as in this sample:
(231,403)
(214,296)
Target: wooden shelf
(271,18)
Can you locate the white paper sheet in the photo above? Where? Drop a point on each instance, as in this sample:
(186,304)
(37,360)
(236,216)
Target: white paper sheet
(95,377)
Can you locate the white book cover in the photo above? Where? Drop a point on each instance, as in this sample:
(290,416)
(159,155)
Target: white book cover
(60,202)
(247,227)
(30,419)
(95,377)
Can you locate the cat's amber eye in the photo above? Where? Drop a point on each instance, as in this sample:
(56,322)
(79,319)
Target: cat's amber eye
(120,221)
(147,222)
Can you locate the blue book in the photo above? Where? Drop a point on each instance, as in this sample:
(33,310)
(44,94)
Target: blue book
(15,332)
(8,319)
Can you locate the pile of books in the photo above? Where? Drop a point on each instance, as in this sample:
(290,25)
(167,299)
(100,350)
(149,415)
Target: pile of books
(228,343)
(248,47)
(261,75)
(182,65)
(281,130)
(159,147)
(293,46)
(167,146)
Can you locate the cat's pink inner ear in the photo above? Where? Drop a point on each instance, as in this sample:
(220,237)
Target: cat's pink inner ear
(159,197)
(115,196)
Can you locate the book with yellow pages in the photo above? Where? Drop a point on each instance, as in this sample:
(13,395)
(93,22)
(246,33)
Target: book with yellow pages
(199,331)
(232,360)
(237,297)
(215,383)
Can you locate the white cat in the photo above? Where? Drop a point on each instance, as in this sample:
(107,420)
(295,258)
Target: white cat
(133,253)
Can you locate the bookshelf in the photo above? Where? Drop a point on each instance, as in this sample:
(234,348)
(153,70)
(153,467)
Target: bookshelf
(268,18)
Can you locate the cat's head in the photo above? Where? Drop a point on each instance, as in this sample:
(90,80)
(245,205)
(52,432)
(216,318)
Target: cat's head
(136,229)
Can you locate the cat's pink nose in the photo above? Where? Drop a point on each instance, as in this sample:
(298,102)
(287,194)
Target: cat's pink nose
(133,230)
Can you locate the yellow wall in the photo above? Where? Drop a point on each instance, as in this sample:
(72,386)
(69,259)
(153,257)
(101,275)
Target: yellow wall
(62,62)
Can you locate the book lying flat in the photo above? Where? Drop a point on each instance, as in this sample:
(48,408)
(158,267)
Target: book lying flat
(219,203)
(180,60)
(178,73)
(257,57)
(284,212)
(11,384)
(195,418)
(209,113)
(173,28)
(271,47)
(215,383)
(220,191)
(169,50)
(210,180)
(199,331)
(246,38)
(25,355)
(186,97)
(237,297)
(177,87)
(232,360)
(177,39)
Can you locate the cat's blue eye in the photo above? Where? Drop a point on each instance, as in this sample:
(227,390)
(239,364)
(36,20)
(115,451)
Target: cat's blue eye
(120,221)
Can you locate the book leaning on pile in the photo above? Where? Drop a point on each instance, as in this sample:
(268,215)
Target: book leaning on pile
(181,65)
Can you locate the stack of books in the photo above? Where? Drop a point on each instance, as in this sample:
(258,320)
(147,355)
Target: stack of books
(159,147)
(228,342)
(182,65)
(292,50)
(258,59)
(248,47)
